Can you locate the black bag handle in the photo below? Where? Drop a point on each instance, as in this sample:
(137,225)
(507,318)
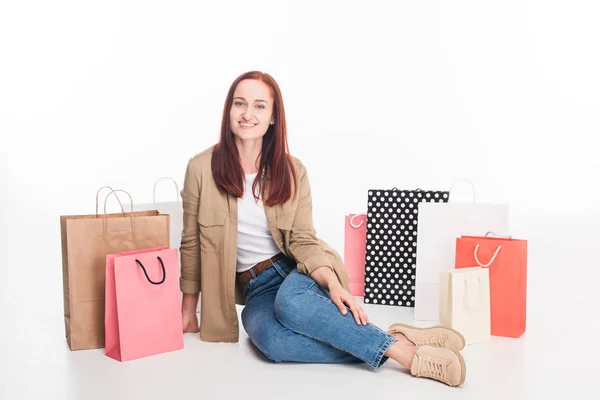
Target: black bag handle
(147,277)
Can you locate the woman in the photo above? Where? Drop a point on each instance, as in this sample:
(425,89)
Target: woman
(248,238)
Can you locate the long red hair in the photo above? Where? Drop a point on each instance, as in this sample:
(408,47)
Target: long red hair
(276,168)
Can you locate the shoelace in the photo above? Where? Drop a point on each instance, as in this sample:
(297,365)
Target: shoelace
(433,368)
(437,341)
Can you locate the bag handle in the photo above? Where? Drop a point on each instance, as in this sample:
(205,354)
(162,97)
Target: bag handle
(156,183)
(112,190)
(498,236)
(463,180)
(352,221)
(162,265)
(395,189)
(131,203)
(491,261)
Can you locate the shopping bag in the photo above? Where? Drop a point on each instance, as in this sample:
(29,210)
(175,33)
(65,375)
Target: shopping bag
(143,312)
(172,208)
(465,303)
(85,242)
(355,237)
(506,259)
(439,226)
(391,249)
(111,325)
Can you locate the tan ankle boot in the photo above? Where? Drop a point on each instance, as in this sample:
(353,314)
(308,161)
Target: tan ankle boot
(444,365)
(436,336)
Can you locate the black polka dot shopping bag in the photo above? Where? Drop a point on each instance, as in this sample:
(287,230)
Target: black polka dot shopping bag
(391,244)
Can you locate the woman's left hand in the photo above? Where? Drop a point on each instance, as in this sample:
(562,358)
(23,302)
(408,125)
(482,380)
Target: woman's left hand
(342,299)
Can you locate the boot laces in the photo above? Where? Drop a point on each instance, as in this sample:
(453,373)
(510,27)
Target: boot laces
(436,341)
(433,368)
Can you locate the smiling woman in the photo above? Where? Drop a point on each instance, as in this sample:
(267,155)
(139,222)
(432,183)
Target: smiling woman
(253,130)
(248,112)
(250,200)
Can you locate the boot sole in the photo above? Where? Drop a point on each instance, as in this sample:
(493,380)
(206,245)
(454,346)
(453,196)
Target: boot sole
(462,338)
(463,371)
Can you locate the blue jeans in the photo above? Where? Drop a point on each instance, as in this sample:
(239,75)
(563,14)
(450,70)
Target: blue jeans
(289,317)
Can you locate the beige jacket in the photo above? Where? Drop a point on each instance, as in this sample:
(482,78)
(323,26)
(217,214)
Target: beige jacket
(209,245)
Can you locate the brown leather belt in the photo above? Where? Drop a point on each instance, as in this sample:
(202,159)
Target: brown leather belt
(245,276)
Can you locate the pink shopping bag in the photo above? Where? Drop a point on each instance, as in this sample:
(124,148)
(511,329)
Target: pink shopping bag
(143,311)
(355,242)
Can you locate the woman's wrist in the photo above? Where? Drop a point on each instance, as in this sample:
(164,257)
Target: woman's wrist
(325,277)
(190,302)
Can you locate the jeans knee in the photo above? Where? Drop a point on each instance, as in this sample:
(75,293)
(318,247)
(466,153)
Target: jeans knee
(269,348)
(265,339)
(290,307)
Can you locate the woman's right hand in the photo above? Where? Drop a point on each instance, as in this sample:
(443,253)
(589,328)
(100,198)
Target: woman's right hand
(190,322)
(188,313)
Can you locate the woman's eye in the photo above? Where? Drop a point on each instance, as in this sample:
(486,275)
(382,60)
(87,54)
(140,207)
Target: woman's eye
(261,106)
(239,103)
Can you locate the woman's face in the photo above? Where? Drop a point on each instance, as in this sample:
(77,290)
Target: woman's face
(252,109)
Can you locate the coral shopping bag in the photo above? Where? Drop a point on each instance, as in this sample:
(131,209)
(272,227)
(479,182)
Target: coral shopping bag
(143,313)
(355,244)
(507,263)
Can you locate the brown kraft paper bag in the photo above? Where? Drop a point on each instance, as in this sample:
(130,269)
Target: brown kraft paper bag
(85,241)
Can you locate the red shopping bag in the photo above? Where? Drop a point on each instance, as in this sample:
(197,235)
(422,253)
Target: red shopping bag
(507,262)
(354,252)
(143,312)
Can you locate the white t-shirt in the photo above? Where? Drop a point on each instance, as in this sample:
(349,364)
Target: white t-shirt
(255,241)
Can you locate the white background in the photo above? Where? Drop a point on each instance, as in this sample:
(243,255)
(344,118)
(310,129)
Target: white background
(377,95)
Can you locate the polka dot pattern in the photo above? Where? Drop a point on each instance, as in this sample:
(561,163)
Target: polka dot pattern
(391,252)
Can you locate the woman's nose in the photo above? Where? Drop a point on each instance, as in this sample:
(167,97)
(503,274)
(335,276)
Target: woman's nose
(247,115)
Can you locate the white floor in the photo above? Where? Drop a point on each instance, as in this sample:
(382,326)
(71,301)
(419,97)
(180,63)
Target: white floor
(558,357)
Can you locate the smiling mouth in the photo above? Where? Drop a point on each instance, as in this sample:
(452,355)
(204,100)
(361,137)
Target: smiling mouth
(247,126)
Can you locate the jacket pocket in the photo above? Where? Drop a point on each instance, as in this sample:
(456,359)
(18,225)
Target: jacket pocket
(212,230)
(285,221)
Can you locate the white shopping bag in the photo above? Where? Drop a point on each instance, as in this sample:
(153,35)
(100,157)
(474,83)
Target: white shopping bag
(465,303)
(438,226)
(175,211)
(173,208)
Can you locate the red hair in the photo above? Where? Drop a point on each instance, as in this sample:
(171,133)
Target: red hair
(276,165)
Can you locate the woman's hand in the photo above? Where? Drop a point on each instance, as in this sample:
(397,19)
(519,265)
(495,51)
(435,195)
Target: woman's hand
(326,278)
(342,299)
(190,323)
(188,313)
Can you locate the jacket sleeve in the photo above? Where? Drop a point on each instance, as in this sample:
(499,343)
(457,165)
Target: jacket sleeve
(190,240)
(306,248)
